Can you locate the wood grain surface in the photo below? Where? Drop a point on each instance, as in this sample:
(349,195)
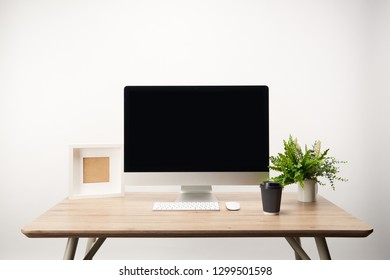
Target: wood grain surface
(132,216)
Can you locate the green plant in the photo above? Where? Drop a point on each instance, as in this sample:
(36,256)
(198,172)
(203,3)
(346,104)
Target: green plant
(296,165)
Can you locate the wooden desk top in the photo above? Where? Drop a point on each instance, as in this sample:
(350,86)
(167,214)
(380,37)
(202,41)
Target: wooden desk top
(132,216)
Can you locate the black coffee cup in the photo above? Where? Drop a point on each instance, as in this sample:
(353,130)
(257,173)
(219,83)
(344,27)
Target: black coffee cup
(271,196)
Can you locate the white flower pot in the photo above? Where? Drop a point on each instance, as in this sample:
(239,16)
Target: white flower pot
(308,193)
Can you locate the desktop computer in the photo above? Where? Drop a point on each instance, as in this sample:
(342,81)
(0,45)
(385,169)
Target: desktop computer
(196,137)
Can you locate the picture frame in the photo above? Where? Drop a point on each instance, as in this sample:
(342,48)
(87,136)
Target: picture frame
(96,170)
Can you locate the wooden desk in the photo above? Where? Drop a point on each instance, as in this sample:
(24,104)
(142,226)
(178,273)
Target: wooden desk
(132,216)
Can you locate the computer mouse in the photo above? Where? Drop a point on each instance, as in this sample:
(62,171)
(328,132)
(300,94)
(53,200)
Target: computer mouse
(232,205)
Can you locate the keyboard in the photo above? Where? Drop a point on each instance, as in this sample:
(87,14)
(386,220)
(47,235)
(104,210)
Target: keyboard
(186,206)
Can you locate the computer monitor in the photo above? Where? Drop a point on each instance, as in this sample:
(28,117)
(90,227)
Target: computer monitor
(196,137)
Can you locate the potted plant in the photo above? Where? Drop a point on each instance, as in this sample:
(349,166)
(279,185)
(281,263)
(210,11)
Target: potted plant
(305,167)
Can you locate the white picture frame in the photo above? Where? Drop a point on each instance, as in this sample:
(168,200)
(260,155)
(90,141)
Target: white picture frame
(96,170)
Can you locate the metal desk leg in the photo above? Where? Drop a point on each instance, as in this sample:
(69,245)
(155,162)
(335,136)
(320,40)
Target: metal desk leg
(322,248)
(71,247)
(94,248)
(89,244)
(297,248)
(298,239)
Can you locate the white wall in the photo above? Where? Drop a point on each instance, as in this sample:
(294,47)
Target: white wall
(63,66)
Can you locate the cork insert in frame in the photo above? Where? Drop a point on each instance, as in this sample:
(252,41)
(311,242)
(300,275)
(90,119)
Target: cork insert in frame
(96,170)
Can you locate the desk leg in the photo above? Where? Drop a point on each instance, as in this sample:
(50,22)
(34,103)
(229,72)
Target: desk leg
(297,256)
(71,247)
(90,243)
(94,247)
(322,248)
(297,248)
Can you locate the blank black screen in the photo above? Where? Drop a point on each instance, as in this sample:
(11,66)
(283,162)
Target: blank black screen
(196,128)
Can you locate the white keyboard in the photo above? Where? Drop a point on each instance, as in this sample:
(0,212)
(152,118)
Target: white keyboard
(185,206)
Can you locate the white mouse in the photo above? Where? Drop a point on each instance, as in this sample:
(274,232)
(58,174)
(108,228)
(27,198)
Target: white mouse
(232,205)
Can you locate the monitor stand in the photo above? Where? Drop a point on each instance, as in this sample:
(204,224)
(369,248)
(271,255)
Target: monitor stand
(196,193)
